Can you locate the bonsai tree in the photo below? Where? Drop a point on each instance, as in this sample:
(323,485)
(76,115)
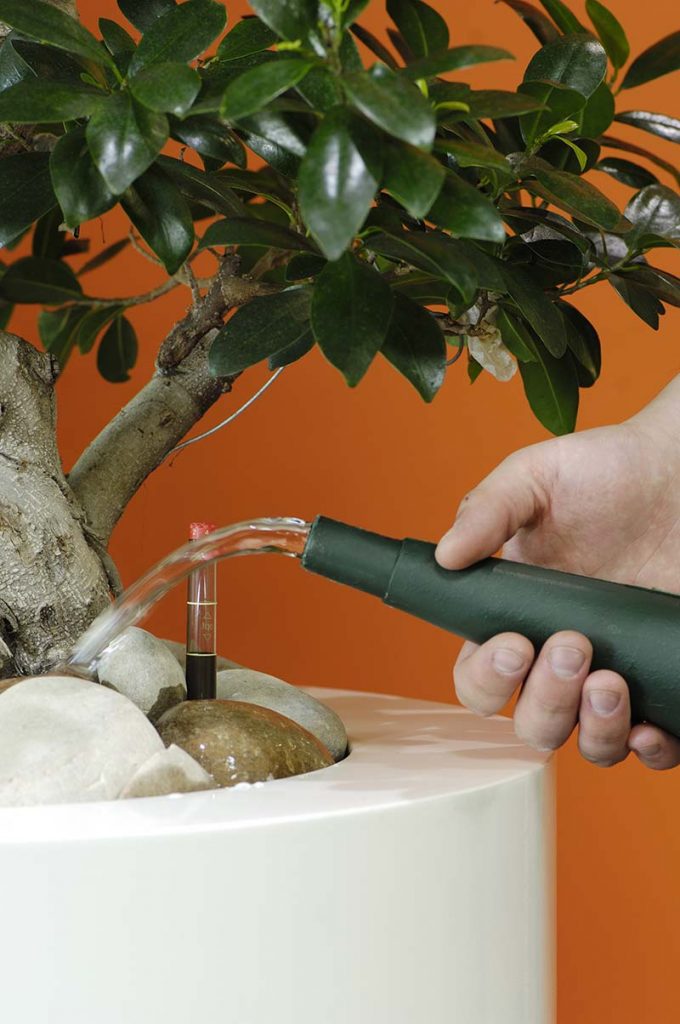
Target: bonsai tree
(344,192)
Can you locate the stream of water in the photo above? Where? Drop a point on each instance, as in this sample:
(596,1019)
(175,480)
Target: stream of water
(285,536)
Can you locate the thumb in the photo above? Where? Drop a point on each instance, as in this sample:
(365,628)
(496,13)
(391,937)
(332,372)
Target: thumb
(509,498)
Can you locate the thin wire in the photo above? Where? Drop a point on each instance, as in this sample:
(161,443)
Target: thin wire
(229,419)
(454,359)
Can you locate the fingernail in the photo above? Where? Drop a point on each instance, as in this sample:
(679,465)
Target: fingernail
(506,661)
(566,661)
(604,702)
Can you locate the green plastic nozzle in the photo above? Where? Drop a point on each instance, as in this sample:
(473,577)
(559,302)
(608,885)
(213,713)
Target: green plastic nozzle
(634,631)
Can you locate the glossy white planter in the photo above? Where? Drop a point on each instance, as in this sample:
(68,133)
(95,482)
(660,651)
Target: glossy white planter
(409,884)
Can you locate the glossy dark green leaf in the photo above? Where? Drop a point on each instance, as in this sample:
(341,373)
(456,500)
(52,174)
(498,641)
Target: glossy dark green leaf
(250,35)
(47,24)
(6,310)
(656,124)
(551,387)
(290,19)
(32,101)
(516,336)
(426,290)
(210,139)
(574,194)
(627,172)
(661,283)
(48,240)
(415,346)
(474,154)
(598,113)
(117,352)
(453,60)
(258,86)
(159,212)
(291,353)
(655,210)
(35,280)
(436,254)
(473,368)
(180,34)
(249,231)
(102,257)
(555,103)
(423,28)
(394,104)
(26,192)
(321,89)
(660,59)
(643,303)
(166,87)
(338,179)
(629,147)
(57,329)
(541,26)
(117,40)
(303,265)
(466,212)
(13,68)
(143,13)
(281,139)
(83,329)
(79,187)
(413,177)
(351,310)
(50,63)
(537,309)
(583,343)
(576,62)
(611,32)
(124,139)
(256,331)
(493,103)
(563,17)
(374,45)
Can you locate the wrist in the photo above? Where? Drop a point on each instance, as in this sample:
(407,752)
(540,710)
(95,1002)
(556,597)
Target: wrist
(659,421)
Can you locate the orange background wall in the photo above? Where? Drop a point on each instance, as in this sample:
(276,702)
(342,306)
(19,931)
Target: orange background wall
(379,457)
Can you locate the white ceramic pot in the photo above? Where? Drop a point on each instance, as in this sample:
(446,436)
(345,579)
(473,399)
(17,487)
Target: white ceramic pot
(409,884)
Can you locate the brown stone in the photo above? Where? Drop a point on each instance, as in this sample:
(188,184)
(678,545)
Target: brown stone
(237,742)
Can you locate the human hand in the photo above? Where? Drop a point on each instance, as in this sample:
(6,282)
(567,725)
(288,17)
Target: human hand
(600,503)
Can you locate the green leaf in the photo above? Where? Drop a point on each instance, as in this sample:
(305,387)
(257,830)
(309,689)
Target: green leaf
(25,193)
(48,240)
(202,187)
(572,193)
(661,283)
(210,139)
(415,346)
(47,24)
(290,19)
(35,280)
(516,336)
(541,26)
(124,139)
(374,45)
(423,289)
(258,86)
(265,325)
(422,27)
(31,102)
(338,179)
(554,103)
(117,352)
(413,177)
(104,256)
(6,310)
(551,387)
(118,41)
(392,103)
(474,154)
(584,344)
(563,17)
(167,87)
(303,265)
(598,113)
(436,254)
(660,59)
(351,310)
(156,208)
(453,60)
(13,68)
(47,62)
(494,103)
(629,147)
(291,353)
(85,328)
(473,368)
(575,62)
(250,35)
(143,13)
(627,172)
(653,211)
(79,187)
(57,330)
(537,309)
(610,31)
(466,212)
(643,303)
(656,124)
(248,231)
(180,34)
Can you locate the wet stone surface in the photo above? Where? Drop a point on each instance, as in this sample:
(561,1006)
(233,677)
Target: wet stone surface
(237,742)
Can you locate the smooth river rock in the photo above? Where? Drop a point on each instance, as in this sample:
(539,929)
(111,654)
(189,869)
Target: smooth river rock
(170,770)
(237,742)
(269,692)
(141,667)
(67,740)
